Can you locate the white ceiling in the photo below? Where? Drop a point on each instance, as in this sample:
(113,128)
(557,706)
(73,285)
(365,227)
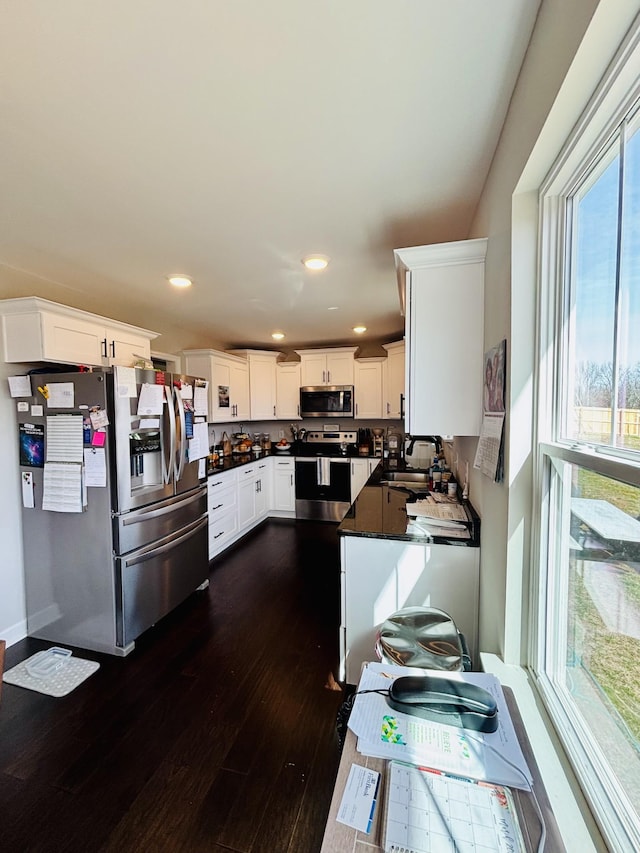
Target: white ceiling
(226,140)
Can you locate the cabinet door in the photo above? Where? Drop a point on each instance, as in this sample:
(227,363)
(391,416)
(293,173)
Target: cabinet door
(220,400)
(368,389)
(340,368)
(359,476)
(124,347)
(444,386)
(239,382)
(314,369)
(262,387)
(393,382)
(73,340)
(246,497)
(284,494)
(263,489)
(288,381)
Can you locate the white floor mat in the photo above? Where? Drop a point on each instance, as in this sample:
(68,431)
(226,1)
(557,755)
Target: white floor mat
(58,683)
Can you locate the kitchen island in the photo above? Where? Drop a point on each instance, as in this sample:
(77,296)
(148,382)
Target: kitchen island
(385,568)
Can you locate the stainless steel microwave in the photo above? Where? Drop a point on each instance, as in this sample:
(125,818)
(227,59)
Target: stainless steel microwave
(320,401)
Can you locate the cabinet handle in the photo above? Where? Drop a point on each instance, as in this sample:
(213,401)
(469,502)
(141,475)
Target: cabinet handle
(292,479)
(104,348)
(113,349)
(218,535)
(217,506)
(402,405)
(388,407)
(298,409)
(274,411)
(324,373)
(219,483)
(328,377)
(356,410)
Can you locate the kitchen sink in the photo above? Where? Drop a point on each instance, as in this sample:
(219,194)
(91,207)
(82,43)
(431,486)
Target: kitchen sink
(420,478)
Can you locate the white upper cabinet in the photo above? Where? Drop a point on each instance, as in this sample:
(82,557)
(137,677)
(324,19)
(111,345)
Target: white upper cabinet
(444,359)
(393,392)
(228,377)
(368,387)
(288,381)
(327,366)
(262,382)
(36,329)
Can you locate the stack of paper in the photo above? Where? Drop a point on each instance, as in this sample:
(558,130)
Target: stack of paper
(431,518)
(385,733)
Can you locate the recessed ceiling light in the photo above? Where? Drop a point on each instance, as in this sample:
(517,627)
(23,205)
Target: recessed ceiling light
(333,308)
(180,280)
(315,262)
(359,330)
(277,336)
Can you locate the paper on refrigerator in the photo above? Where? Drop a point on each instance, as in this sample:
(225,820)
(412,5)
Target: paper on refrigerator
(386,733)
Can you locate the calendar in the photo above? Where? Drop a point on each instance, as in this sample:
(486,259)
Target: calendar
(429,812)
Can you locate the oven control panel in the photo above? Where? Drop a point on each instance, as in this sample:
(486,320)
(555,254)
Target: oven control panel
(331,438)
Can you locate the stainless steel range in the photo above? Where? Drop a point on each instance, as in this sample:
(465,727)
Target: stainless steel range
(323,475)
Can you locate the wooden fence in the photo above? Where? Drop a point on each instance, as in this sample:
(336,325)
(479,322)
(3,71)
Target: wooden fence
(591,420)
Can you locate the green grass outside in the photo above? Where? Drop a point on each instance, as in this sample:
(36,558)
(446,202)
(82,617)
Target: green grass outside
(612,659)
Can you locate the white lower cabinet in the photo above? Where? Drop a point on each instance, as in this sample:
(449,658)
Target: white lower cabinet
(222,510)
(284,486)
(359,476)
(264,479)
(380,576)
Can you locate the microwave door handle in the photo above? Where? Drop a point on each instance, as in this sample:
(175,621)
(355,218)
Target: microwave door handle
(168,458)
(318,470)
(183,434)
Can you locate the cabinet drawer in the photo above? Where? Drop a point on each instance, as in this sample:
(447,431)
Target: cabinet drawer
(222,530)
(216,482)
(221,500)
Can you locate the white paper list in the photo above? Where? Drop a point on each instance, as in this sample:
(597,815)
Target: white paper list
(62,487)
(64,438)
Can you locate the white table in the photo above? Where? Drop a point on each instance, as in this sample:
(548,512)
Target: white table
(606,520)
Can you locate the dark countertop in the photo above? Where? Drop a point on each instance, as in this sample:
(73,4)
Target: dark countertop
(379,512)
(237,460)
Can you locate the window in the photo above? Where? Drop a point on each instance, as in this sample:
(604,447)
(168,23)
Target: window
(587,638)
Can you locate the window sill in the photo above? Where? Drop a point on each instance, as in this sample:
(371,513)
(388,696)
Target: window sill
(575,821)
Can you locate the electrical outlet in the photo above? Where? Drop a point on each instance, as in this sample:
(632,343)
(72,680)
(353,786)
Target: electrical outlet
(280,433)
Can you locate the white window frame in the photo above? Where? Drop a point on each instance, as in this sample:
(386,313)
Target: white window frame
(613,99)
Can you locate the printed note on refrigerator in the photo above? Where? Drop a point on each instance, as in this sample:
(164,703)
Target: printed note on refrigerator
(27,490)
(200,398)
(61,395)
(64,440)
(150,400)
(199,444)
(126,381)
(62,487)
(20,386)
(95,467)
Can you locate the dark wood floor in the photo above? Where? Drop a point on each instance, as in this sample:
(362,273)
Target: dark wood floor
(216,733)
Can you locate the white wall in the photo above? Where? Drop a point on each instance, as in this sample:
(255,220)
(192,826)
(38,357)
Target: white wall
(12,607)
(569,50)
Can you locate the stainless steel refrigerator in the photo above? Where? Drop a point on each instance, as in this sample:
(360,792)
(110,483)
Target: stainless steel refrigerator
(104,568)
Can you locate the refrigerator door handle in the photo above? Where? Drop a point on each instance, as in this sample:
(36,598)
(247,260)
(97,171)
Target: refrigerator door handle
(167,461)
(168,546)
(181,451)
(140,516)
